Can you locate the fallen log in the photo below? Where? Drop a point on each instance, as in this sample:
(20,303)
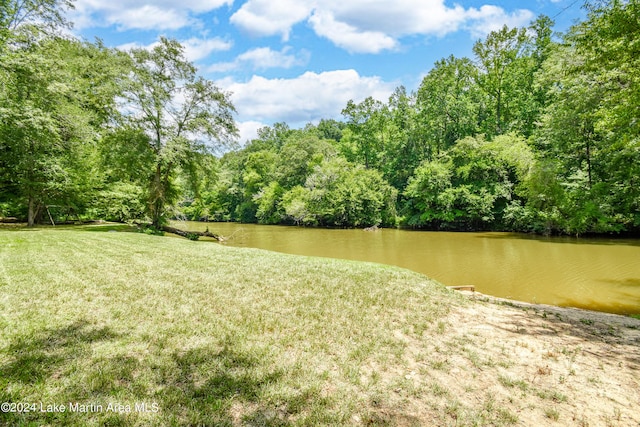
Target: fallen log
(470,288)
(190,234)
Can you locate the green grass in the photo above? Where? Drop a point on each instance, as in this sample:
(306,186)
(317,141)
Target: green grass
(200,333)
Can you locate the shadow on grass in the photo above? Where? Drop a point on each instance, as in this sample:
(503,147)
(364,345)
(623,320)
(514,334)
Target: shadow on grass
(38,357)
(221,385)
(103,227)
(95,227)
(43,357)
(620,333)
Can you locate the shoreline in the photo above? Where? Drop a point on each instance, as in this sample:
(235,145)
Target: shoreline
(570,314)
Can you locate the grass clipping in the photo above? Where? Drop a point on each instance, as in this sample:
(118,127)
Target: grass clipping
(130,329)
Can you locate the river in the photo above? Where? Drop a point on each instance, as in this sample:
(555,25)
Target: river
(596,274)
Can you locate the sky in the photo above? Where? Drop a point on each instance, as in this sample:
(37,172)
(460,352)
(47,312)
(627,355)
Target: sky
(299,61)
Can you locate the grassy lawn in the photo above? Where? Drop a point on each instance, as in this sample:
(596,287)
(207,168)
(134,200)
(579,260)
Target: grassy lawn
(196,333)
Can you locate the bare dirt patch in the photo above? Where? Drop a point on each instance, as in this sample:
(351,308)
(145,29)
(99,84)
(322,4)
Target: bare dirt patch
(498,362)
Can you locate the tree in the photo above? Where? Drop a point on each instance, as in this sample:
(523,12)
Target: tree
(343,194)
(269,200)
(299,155)
(52,106)
(497,56)
(448,104)
(470,185)
(608,42)
(40,113)
(22,20)
(270,137)
(180,113)
(366,123)
(590,130)
(403,150)
(330,129)
(30,142)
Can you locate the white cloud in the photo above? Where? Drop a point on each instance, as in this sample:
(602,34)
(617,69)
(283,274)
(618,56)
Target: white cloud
(493,18)
(248,130)
(149,17)
(400,18)
(134,14)
(263,58)
(271,17)
(371,26)
(196,48)
(306,98)
(348,37)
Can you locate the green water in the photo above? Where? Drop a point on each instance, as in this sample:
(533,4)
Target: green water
(597,274)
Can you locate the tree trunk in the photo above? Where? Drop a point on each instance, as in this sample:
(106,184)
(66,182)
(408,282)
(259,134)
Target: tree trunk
(156,196)
(188,234)
(31,215)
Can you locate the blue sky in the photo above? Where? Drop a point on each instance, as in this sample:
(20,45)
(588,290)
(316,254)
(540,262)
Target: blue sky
(298,61)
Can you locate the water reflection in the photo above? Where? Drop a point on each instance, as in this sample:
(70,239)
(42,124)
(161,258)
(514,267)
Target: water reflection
(599,274)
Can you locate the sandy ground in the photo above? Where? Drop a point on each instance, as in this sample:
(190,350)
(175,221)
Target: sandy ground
(499,362)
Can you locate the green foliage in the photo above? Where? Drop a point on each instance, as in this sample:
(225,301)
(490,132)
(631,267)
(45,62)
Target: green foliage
(175,109)
(268,200)
(301,180)
(152,230)
(403,149)
(295,204)
(534,134)
(469,185)
(586,129)
(298,157)
(120,201)
(32,17)
(500,58)
(47,132)
(344,194)
(448,104)
(366,124)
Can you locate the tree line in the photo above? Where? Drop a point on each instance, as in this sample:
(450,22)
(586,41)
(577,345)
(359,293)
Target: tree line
(537,132)
(100,132)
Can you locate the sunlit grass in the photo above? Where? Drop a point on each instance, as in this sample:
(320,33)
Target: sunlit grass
(205,334)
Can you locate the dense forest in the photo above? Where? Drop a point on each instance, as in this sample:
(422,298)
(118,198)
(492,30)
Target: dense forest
(537,132)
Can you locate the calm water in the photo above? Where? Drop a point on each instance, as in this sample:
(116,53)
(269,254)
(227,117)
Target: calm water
(598,274)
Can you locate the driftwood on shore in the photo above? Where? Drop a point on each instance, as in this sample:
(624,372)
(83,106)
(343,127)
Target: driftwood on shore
(188,234)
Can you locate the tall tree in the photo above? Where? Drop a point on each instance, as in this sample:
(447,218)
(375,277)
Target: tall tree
(497,56)
(53,102)
(180,112)
(608,42)
(23,21)
(366,125)
(403,150)
(448,104)
(590,128)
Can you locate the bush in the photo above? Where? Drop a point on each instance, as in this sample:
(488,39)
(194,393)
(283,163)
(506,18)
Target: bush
(120,201)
